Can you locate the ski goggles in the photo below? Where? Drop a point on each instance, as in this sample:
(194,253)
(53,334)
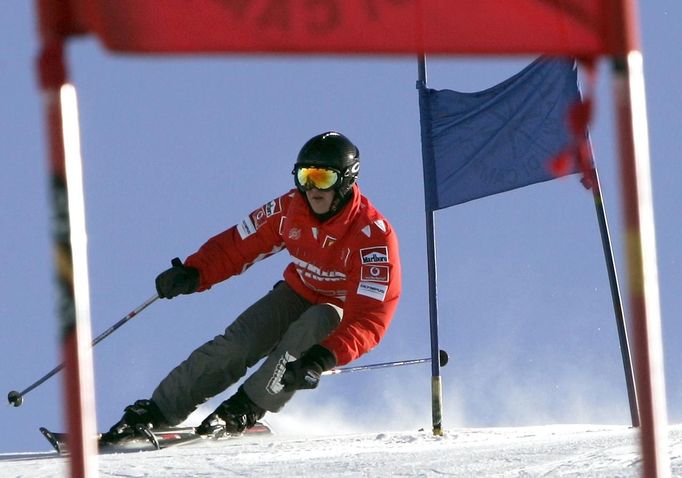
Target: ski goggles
(308,177)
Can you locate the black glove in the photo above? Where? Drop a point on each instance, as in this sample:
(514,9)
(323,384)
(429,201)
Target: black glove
(305,372)
(179,279)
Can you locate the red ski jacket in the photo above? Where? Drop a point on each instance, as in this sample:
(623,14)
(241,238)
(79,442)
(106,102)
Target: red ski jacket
(351,260)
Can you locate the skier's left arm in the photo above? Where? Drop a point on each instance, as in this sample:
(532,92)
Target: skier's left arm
(373,293)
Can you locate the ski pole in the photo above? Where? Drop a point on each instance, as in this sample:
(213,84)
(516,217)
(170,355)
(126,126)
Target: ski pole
(442,358)
(16,398)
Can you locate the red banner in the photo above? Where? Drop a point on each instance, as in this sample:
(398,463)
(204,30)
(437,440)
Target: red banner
(567,27)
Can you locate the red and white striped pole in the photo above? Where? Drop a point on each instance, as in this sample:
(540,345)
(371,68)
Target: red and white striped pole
(69,237)
(645,311)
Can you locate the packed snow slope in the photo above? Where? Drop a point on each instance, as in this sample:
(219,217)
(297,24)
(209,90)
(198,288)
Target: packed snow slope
(542,451)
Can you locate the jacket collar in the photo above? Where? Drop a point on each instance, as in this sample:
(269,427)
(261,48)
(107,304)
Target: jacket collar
(338,225)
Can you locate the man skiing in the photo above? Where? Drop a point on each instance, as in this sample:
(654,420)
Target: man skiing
(335,303)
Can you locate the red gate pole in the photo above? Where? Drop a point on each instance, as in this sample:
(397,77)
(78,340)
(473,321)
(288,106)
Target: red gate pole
(640,245)
(69,236)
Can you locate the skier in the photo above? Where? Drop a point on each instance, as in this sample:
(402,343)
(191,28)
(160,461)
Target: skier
(335,303)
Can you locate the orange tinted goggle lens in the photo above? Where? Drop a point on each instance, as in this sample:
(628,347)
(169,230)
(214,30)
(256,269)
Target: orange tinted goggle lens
(317,178)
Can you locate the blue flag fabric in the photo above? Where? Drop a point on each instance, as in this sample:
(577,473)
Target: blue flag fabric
(478,144)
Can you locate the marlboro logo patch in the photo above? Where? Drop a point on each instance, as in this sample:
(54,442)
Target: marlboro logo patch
(374,255)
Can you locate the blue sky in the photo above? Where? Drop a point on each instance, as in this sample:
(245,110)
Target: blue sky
(178,149)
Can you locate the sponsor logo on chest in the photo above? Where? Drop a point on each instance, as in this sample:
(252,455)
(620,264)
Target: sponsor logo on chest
(374,255)
(373,290)
(374,273)
(311,271)
(294,233)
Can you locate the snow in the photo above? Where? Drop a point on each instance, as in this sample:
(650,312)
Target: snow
(551,450)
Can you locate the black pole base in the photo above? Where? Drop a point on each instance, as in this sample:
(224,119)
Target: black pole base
(15,398)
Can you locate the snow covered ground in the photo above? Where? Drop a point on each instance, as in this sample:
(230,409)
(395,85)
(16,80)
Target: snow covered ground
(541,451)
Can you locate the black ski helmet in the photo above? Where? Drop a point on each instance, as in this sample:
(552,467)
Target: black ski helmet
(334,151)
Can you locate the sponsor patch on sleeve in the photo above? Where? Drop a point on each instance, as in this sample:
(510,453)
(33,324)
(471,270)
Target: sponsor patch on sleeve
(374,273)
(246,228)
(258,217)
(374,255)
(372,290)
(273,207)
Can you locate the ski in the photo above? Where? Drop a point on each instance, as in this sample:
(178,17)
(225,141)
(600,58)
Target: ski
(135,443)
(149,440)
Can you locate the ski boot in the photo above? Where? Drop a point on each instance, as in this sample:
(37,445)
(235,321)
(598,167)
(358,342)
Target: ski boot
(143,413)
(232,417)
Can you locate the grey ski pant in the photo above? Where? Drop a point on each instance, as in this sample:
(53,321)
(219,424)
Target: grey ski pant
(279,326)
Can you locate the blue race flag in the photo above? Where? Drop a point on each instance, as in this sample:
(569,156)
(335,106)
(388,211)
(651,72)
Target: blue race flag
(478,144)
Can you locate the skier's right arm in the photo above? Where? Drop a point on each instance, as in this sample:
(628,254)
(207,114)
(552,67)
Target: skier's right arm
(179,279)
(234,250)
